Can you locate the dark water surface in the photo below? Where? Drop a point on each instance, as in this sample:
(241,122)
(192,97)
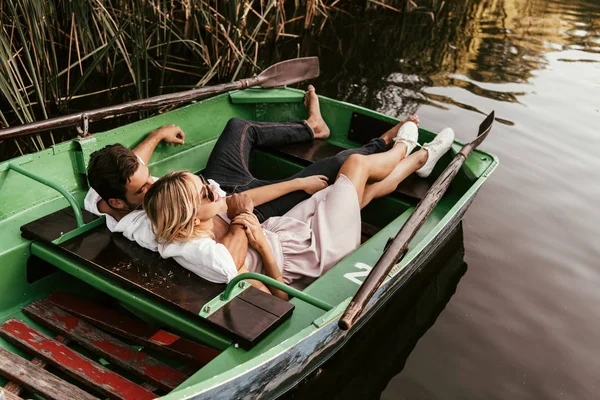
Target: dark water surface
(524,322)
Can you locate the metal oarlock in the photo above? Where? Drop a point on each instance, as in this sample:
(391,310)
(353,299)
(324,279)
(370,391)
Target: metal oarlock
(82,130)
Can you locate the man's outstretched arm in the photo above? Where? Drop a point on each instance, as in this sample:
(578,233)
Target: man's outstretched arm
(171,134)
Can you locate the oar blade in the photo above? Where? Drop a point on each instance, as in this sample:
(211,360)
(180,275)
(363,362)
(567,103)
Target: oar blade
(484,129)
(289,72)
(486,125)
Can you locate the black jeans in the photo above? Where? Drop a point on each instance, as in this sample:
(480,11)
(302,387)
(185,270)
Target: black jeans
(228,162)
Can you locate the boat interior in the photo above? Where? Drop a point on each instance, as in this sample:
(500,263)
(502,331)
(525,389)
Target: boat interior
(108,318)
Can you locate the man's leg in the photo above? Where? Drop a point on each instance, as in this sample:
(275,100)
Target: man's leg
(329,167)
(228,162)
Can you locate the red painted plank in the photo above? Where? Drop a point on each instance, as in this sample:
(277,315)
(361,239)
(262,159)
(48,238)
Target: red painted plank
(79,367)
(114,350)
(15,387)
(37,380)
(134,329)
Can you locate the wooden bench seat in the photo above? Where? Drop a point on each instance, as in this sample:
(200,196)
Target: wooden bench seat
(246,319)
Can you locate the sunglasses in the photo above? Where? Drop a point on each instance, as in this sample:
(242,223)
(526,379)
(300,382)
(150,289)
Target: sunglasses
(208,192)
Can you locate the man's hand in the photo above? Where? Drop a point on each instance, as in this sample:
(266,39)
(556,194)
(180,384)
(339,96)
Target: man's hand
(171,134)
(239,203)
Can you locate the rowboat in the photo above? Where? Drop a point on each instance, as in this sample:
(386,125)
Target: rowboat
(79,298)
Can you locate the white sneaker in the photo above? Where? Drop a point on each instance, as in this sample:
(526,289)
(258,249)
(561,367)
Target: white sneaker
(409,135)
(436,149)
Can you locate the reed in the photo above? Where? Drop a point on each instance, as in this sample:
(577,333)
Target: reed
(67,55)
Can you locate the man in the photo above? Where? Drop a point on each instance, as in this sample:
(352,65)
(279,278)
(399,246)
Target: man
(119,177)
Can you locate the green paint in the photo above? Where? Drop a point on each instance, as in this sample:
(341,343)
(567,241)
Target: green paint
(79,230)
(55,186)
(212,306)
(87,146)
(277,285)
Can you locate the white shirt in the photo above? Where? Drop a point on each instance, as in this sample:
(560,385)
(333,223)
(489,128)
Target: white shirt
(204,257)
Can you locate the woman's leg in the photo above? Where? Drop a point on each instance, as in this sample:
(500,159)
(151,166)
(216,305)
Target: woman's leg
(386,186)
(361,169)
(330,167)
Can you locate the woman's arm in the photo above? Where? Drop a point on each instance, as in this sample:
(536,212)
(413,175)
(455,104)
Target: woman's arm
(272,269)
(257,239)
(264,194)
(236,242)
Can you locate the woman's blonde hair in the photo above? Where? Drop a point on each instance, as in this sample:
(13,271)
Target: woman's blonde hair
(172,205)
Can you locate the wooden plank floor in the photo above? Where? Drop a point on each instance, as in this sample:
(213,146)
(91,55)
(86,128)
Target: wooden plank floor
(37,379)
(114,350)
(134,329)
(16,388)
(77,366)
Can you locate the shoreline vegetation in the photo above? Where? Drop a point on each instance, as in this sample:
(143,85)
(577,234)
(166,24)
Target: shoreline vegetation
(65,56)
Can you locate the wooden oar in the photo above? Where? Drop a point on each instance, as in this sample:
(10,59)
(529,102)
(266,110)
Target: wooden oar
(280,74)
(398,247)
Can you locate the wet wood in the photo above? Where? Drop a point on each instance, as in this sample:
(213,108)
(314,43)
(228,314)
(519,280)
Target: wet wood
(54,225)
(262,300)
(15,387)
(114,350)
(250,322)
(86,371)
(37,379)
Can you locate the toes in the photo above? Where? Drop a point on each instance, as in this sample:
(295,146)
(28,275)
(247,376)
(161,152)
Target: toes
(414,118)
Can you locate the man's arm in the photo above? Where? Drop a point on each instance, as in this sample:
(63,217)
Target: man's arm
(236,242)
(264,194)
(171,134)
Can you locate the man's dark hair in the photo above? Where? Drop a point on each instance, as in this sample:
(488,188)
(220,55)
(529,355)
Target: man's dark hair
(110,169)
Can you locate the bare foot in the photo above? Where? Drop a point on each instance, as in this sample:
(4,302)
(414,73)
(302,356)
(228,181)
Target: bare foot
(391,134)
(315,120)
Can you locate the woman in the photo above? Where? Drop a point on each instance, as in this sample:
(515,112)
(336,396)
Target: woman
(299,246)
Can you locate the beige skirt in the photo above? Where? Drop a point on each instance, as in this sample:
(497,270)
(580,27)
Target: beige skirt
(315,235)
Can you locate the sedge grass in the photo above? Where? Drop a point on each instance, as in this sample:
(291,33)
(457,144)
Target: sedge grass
(61,56)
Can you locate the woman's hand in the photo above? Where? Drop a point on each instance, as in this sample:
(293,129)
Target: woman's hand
(312,184)
(254,232)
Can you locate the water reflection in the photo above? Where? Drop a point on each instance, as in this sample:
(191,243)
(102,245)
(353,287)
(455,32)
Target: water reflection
(465,45)
(525,321)
(363,368)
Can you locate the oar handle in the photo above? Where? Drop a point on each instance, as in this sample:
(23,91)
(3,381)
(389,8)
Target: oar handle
(120,109)
(280,74)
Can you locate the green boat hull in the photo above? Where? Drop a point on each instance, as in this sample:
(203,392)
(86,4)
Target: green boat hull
(310,336)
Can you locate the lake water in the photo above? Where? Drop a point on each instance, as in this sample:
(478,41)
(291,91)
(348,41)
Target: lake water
(524,322)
